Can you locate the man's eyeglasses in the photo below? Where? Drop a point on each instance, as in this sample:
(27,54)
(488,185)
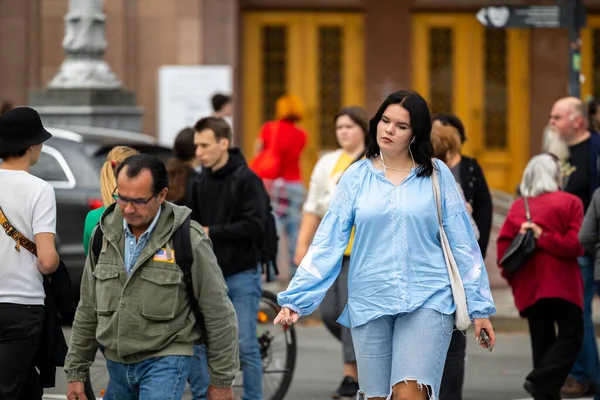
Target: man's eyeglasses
(134,202)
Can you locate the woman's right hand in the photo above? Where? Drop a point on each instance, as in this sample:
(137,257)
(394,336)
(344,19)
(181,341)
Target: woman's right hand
(286,316)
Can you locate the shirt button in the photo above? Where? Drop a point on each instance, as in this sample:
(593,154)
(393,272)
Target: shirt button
(471,184)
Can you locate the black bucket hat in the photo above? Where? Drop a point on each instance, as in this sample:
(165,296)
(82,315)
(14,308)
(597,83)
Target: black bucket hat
(20,128)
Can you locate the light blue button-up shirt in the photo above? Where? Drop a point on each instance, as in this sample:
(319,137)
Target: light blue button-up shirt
(133,249)
(397,263)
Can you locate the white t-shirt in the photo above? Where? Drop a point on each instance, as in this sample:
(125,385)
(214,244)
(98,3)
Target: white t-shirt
(29,205)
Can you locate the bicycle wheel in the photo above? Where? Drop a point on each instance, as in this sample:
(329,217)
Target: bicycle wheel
(278,349)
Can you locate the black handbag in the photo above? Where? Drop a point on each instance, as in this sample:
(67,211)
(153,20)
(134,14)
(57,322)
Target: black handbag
(521,248)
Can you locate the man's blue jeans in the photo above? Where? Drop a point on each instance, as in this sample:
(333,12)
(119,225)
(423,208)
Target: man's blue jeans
(244,290)
(158,378)
(587,367)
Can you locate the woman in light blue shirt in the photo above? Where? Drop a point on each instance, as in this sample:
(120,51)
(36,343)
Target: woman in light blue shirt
(400,305)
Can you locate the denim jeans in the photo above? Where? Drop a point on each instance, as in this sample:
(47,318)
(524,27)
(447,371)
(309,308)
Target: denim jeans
(395,348)
(244,290)
(158,378)
(587,366)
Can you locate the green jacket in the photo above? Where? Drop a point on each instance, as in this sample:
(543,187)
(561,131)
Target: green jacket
(147,314)
(91,220)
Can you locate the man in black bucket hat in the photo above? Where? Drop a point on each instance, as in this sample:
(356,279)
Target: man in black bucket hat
(20,129)
(27,251)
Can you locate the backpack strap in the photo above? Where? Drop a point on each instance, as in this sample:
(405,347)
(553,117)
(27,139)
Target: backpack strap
(182,244)
(97,241)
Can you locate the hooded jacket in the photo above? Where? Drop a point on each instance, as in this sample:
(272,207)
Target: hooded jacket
(231,203)
(147,314)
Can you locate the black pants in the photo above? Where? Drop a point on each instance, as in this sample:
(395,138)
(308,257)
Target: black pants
(454,369)
(20,335)
(553,354)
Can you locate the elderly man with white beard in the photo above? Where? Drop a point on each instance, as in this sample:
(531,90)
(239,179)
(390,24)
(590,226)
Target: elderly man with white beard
(569,138)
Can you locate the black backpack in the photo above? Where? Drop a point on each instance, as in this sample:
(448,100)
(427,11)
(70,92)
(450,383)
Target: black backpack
(182,245)
(268,244)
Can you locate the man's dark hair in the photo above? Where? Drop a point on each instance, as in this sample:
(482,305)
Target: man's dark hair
(219,100)
(218,125)
(453,121)
(5,155)
(136,164)
(6,105)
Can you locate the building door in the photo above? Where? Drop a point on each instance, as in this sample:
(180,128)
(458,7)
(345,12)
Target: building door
(481,75)
(316,56)
(590,59)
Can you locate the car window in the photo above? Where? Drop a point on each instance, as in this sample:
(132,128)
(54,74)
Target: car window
(52,168)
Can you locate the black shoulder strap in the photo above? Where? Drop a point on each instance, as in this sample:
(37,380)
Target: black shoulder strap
(182,244)
(97,242)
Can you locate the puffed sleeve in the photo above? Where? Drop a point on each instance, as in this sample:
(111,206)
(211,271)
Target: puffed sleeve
(465,248)
(322,264)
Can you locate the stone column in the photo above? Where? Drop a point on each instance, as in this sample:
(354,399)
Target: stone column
(85,44)
(85,91)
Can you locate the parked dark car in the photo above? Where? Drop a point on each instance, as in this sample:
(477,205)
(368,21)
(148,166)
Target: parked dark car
(71,162)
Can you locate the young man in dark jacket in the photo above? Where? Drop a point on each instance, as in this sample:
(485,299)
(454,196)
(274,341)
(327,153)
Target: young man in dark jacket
(230,205)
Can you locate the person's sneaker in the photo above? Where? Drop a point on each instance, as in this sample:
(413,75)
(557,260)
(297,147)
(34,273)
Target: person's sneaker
(348,388)
(573,389)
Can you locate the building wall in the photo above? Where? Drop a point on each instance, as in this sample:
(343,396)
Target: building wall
(142,35)
(145,34)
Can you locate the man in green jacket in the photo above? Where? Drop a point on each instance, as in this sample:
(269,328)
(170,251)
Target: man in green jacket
(134,301)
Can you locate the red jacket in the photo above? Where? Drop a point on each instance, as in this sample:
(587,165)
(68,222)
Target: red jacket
(287,141)
(552,271)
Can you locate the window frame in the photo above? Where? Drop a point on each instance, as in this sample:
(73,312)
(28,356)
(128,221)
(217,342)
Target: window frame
(70,183)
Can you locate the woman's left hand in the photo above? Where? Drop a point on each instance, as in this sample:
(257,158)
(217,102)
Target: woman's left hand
(537,230)
(484,323)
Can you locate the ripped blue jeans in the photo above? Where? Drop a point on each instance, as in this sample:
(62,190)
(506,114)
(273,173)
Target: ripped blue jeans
(396,348)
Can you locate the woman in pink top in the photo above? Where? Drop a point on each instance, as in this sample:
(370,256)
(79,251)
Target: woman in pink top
(278,148)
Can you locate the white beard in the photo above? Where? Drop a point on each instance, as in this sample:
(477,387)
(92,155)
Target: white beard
(553,143)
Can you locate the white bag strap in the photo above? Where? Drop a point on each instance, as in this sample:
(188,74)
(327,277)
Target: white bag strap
(461,316)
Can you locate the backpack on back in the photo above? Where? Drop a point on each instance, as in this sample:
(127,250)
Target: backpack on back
(182,245)
(268,244)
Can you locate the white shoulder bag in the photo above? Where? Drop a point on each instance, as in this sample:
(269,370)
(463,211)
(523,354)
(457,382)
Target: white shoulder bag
(461,316)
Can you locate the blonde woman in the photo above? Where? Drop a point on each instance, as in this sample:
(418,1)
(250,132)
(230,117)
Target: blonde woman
(108,183)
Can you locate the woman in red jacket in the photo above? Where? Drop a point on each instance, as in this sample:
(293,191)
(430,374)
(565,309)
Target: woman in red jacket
(277,162)
(548,288)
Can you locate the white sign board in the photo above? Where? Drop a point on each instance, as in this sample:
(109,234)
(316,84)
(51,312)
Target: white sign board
(184,94)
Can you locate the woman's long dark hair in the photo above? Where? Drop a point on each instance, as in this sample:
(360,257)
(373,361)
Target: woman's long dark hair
(420,121)
(177,167)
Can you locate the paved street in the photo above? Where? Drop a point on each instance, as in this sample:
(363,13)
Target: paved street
(491,376)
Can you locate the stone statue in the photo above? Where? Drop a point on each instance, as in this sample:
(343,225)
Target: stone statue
(85,43)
